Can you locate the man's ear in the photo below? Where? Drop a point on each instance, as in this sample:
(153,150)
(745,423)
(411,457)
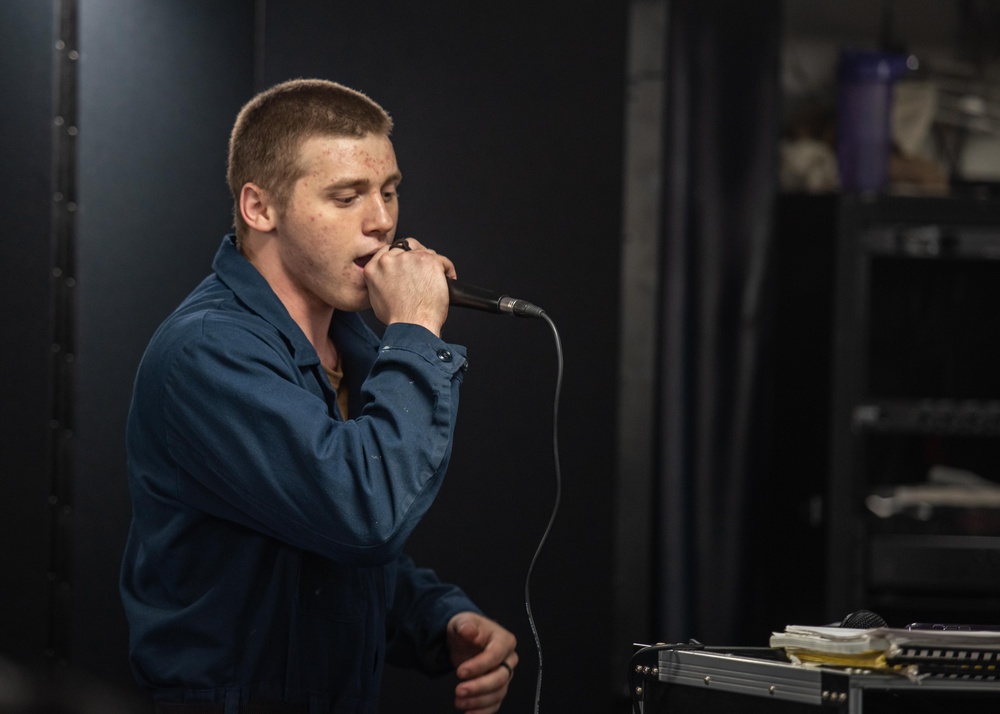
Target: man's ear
(257,208)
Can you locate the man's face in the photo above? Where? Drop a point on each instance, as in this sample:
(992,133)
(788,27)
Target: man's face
(342,210)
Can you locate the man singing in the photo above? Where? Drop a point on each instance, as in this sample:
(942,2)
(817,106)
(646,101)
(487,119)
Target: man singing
(280,453)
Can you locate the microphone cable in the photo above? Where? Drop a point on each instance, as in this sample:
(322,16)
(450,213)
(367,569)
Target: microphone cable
(555,507)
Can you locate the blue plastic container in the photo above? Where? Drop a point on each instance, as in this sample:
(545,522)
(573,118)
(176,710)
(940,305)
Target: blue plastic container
(865,83)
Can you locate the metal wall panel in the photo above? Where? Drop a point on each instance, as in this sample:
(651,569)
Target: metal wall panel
(160,84)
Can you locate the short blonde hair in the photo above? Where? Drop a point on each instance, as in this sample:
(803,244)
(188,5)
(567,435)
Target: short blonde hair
(270,128)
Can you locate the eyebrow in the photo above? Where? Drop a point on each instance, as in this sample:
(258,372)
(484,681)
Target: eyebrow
(394,177)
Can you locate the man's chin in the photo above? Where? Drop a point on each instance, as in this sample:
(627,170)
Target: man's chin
(358,305)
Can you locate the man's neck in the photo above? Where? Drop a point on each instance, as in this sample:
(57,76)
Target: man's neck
(312,317)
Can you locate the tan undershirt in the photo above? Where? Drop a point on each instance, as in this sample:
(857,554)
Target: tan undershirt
(336,377)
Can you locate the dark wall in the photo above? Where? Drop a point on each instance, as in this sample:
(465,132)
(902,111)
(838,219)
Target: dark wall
(26,52)
(508,133)
(509,123)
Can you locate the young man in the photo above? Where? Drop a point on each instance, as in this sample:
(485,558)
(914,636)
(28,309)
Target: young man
(280,454)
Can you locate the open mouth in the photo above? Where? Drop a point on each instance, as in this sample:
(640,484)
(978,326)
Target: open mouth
(363,260)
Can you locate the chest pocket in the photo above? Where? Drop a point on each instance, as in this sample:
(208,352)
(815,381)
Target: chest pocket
(334,592)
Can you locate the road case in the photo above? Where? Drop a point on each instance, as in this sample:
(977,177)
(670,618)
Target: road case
(681,679)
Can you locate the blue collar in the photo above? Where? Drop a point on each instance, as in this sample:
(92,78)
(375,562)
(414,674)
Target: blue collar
(250,288)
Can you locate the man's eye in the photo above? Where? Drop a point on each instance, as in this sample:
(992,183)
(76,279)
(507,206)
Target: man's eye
(345,200)
(389,196)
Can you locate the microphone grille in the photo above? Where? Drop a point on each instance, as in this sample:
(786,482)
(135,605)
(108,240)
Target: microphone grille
(863,620)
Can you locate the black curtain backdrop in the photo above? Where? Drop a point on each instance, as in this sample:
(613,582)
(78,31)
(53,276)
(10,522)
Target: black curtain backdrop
(722,122)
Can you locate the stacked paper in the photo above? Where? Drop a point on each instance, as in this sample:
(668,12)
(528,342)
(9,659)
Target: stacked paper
(952,652)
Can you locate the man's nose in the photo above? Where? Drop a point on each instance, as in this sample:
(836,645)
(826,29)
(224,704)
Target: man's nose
(380,218)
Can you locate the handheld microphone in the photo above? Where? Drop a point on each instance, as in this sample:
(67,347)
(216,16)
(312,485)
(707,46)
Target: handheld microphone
(477,298)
